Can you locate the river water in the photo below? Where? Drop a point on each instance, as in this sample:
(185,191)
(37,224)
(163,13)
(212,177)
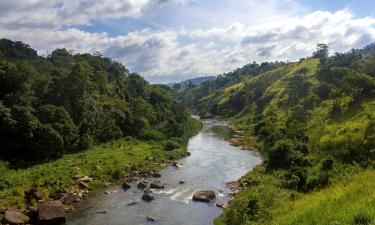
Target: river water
(212,163)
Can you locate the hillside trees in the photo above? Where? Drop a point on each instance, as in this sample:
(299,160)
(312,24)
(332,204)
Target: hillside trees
(64,103)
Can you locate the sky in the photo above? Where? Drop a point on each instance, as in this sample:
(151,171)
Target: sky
(173,40)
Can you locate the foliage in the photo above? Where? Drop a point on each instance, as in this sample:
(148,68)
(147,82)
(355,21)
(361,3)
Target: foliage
(65,103)
(312,117)
(105,162)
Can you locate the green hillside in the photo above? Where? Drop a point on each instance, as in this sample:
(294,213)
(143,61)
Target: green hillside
(80,113)
(314,121)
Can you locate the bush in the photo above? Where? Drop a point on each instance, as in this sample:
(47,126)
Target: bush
(171,145)
(152,135)
(362,219)
(253,208)
(327,164)
(286,153)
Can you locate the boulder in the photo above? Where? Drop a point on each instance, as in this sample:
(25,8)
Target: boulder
(150,219)
(33,193)
(51,213)
(126,186)
(57,194)
(222,205)
(156,175)
(142,185)
(204,196)
(157,184)
(177,165)
(83,185)
(147,197)
(78,176)
(85,179)
(15,217)
(148,191)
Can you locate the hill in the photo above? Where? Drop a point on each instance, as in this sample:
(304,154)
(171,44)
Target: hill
(190,82)
(314,121)
(66,114)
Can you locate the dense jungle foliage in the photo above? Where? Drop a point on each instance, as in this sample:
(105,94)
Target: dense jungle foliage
(63,103)
(314,120)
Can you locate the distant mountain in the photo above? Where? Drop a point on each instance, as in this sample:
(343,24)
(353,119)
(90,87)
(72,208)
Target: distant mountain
(193,81)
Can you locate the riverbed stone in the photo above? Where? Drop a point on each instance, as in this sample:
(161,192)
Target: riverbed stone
(156,175)
(14,217)
(147,197)
(83,185)
(204,196)
(148,218)
(33,193)
(222,205)
(142,185)
(85,179)
(51,213)
(126,186)
(157,184)
(147,191)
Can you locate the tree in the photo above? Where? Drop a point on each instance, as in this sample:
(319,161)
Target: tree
(322,51)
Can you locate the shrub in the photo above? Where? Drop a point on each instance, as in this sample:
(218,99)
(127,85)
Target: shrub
(171,145)
(327,164)
(362,219)
(152,135)
(253,208)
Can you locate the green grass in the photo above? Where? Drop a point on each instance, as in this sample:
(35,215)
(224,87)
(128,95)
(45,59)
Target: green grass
(106,162)
(350,197)
(347,202)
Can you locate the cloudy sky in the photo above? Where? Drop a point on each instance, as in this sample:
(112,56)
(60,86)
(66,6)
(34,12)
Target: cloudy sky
(171,40)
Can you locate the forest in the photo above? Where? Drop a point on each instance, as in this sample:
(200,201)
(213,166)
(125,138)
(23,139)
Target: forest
(65,103)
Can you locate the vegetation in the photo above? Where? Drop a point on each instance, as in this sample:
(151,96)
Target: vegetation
(313,120)
(57,107)
(105,162)
(65,103)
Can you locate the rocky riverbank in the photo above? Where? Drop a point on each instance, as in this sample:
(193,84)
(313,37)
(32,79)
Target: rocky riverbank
(53,209)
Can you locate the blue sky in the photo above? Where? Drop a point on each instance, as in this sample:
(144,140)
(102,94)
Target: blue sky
(172,40)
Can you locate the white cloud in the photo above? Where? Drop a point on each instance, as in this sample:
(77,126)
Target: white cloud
(175,54)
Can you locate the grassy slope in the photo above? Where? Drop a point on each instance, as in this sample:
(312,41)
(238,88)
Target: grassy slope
(351,201)
(327,206)
(346,201)
(106,162)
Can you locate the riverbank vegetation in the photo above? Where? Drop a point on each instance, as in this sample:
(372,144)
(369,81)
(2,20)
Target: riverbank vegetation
(67,113)
(314,120)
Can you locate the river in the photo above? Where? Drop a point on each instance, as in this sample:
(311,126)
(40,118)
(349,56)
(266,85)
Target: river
(212,163)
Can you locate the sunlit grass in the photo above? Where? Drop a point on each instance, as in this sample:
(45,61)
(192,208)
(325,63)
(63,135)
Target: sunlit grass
(106,162)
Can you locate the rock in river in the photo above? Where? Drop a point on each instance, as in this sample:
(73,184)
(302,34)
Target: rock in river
(51,213)
(157,184)
(147,191)
(156,175)
(126,186)
(204,196)
(147,197)
(14,217)
(222,205)
(142,185)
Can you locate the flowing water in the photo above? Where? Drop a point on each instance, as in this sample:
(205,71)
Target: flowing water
(212,163)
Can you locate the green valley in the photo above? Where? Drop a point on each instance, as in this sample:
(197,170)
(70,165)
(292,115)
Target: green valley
(314,121)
